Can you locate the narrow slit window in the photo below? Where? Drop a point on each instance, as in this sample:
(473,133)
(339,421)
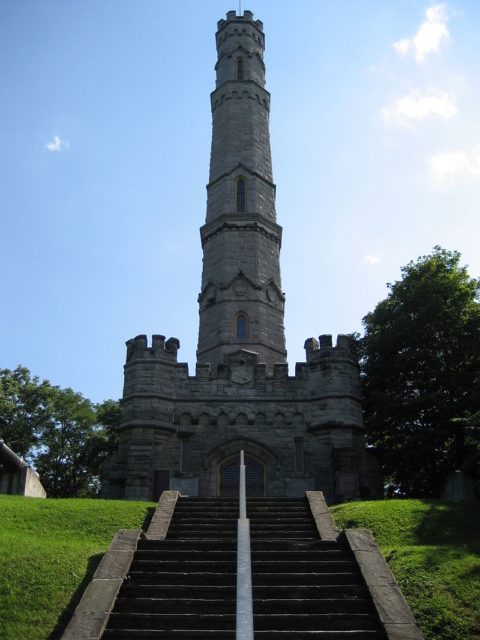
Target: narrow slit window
(240,195)
(241,326)
(239,68)
(299,464)
(184,456)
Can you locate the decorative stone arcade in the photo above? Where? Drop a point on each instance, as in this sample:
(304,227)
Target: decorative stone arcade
(298,432)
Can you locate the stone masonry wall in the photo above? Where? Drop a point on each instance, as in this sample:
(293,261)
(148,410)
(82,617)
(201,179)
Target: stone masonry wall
(242,407)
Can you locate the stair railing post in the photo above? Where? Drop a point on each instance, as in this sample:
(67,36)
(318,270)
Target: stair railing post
(243,493)
(244,624)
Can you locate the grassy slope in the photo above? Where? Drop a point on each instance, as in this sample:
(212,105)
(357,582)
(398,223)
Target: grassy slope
(433,549)
(49,551)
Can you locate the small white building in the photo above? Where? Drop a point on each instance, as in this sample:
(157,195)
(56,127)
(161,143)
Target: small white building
(16,477)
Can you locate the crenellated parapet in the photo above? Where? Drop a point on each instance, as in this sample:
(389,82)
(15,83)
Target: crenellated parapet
(138,349)
(330,373)
(150,370)
(237,25)
(321,349)
(334,382)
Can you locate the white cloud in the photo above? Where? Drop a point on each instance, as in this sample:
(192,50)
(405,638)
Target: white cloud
(371,259)
(402,47)
(430,35)
(57,144)
(447,168)
(415,106)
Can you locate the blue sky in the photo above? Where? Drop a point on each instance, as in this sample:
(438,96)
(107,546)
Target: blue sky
(105,130)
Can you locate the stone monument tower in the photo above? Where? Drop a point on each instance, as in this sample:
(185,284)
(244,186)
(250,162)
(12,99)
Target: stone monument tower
(184,432)
(241,240)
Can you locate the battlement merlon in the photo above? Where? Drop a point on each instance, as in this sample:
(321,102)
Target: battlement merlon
(138,349)
(232,17)
(323,348)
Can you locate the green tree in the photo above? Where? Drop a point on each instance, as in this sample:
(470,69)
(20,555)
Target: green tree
(421,373)
(61,433)
(24,409)
(74,442)
(108,416)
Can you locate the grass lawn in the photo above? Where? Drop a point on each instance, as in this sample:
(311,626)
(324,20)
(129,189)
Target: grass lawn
(49,551)
(433,549)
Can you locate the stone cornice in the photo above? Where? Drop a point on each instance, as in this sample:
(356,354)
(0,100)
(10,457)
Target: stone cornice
(150,359)
(148,424)
(241,222)
(242,166)
(188,399)
(328,426)
(239,89)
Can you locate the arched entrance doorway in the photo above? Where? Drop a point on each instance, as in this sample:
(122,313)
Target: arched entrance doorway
(229,476)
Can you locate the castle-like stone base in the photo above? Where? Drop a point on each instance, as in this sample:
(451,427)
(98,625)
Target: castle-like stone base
(299,433)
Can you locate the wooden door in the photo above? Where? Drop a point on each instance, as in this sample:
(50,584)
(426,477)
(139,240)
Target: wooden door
(230,477)
(161,482)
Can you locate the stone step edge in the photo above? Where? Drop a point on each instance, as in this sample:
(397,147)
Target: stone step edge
(163,515)
(93,611)
(393,611)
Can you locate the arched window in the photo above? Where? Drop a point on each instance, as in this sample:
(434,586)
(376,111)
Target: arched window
(184,455)
(299,461)
(239,69)
(240,195)
(241,326)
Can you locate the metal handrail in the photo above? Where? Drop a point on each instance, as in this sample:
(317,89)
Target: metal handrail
(244,566)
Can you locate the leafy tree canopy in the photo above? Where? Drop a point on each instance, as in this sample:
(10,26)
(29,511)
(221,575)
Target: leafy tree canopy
(24,405)
(64,435)
(421,373)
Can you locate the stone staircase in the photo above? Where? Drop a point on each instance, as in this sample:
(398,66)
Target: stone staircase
(304,587)
(185,586)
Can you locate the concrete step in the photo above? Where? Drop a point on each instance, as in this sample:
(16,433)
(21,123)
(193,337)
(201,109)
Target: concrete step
(294,555)
(186,534)
(227,544)
(262,622)
(213,554)
(302,566)
(301,578)
(179,543)
(212,592)
(260,566)
(182,577)
(200,622)
(182,554)
(293,545)
(221,566)
(283,534)
(201,508)
(208,524)
(276,500)
(315,622)
(181,606)
(367,634)
(271,606)
(175,634)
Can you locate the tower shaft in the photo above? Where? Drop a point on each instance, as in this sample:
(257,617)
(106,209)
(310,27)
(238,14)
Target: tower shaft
(241,300)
